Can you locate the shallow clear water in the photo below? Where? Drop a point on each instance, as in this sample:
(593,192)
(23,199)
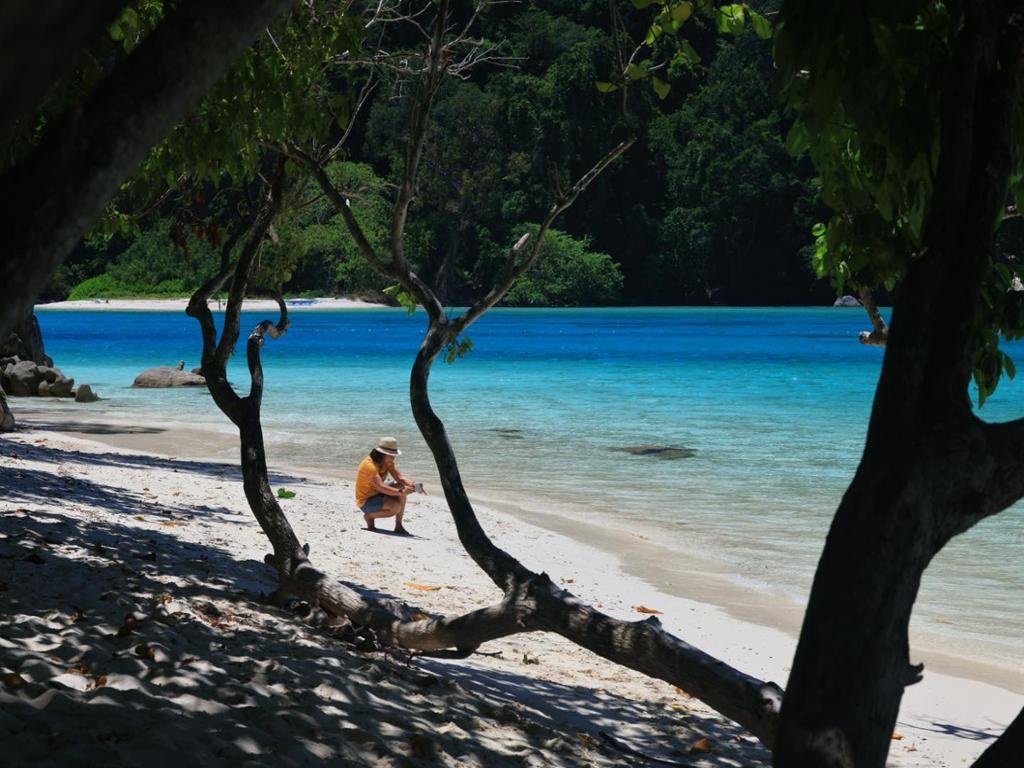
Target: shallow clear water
(774,402)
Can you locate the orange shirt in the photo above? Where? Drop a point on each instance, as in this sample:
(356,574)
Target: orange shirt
(364,480)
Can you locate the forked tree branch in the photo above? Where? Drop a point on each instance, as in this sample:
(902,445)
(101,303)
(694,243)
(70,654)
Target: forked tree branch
(518,267)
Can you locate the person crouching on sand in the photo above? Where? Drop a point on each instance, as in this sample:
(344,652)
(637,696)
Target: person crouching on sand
(377,498)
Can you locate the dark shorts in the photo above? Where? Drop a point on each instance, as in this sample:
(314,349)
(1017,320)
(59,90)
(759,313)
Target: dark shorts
(373,504)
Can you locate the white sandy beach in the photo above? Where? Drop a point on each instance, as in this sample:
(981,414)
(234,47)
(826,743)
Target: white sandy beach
(131,631)
(179,305)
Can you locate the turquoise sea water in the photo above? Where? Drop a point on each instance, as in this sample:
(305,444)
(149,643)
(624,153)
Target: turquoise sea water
(774,402)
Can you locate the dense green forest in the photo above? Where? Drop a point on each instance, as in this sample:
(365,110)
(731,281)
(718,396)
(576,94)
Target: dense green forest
(706,207)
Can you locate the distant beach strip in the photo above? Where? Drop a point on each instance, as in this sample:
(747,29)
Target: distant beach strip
(179,305)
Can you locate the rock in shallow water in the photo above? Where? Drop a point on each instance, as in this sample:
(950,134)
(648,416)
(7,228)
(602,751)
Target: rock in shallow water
(84,394)
(166,376)
(659,451)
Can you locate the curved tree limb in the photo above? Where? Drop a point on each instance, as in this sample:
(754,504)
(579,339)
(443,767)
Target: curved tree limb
(643,646)
(246,263)
(880,335)
(420,116)
(57,191)
(518,267)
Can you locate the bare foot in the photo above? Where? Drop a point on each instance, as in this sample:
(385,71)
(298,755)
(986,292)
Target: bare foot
(401,531)
(369,523)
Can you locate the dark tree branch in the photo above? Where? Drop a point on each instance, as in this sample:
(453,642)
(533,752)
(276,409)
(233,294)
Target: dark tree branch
(519,267)
(246,263)
(56,192)
(1008,750)
(420,116)
(217,354)
(364,97)
(532,602)
(880,333)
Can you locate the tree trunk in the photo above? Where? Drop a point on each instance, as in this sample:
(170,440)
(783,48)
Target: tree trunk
(392,622)
(921,479)
(7,423)
(640,645)
(532,601)
(879,334)
(1008,750)
(37,46)
(54,194)
(32,339)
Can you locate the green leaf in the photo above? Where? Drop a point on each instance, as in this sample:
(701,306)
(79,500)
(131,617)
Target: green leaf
(730,19)
(762,26)
(660,87)
(456,349)
(1008,366)
(689,53)
(682,12)
(818,230)
(284,493)
(636,72)
(606,87)
(402,297)
(797,140)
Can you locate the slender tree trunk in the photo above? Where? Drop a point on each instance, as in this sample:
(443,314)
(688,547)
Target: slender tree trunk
(921,480)
(532,601)
(879,334)
(640,645)
(7,423)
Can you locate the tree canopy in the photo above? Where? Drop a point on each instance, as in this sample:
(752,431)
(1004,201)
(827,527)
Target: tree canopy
(709,160)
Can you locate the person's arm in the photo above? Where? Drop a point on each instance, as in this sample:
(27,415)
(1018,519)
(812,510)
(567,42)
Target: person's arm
(388,490)
(399,477)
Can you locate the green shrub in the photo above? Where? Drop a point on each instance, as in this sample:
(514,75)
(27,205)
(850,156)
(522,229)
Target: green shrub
(567,274)
(152,266)
(99,287)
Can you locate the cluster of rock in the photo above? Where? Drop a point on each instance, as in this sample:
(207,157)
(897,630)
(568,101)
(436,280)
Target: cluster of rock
(24,378)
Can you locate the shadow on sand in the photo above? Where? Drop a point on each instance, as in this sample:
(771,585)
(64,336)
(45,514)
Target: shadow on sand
(129,645)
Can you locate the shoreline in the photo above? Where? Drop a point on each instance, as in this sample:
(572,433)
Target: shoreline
(674,571)
(615,570)
(179,305)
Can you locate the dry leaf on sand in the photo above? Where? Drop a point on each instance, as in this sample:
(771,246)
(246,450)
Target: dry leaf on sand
(422,587)
(701,745)
(645,609)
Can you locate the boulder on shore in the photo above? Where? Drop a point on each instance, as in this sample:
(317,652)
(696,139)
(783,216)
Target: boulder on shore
(846,301)
(84,394)
(167,376)
(24,378)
